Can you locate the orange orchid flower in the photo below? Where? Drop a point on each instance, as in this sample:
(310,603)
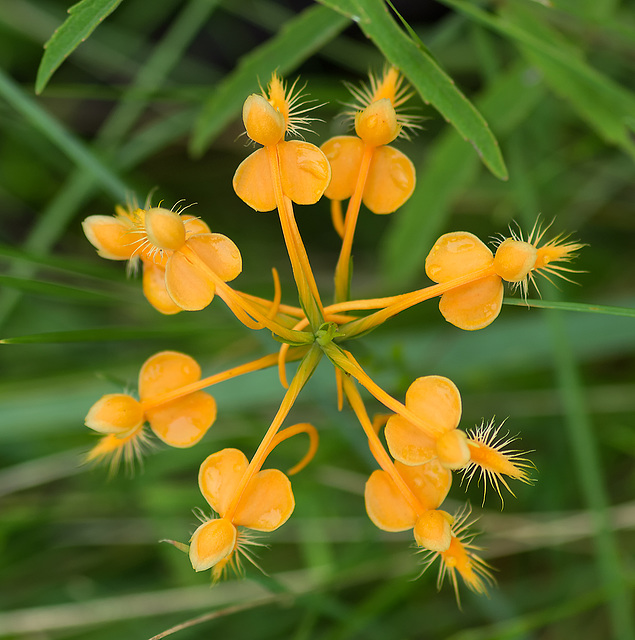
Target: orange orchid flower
(182,259)
(477,304)
(180,422)
(436,402)
(300,167)
(265,504)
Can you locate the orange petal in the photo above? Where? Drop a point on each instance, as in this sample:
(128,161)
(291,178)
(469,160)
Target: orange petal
(437,401)
(433,531)
(407,442)
(305,171)
(456,254)
(267,502)
(344,154)
(165,371)
(453,450)
(211,542)
(473,306)
(219,476)
(183,422)
(154,289)
(430,482)
(113,238)
(187,284)
(194,225)
(219,253)
(385,504)
(253,183)
(115,413)
(391,180)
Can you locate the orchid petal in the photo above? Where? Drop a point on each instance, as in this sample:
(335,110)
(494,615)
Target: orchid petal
(253,182)
(430,482)
(386,505)
(457,254)
(213,541)
(183,422)
(304,170)
(219,476)
(390,182)
(113,238)
(165,371)
(219,253)
(436,401)
(473,306)
(154,289)
(407,442)
(187,284)
(267,501)
(344,154)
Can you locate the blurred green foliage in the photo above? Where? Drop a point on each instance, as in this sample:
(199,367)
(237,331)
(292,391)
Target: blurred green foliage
(554,84)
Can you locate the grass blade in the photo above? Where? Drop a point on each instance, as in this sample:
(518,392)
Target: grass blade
(82,21)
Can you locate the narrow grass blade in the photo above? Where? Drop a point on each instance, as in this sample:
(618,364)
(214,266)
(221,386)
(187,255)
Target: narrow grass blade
(58,291)
(572,306)
(83,18)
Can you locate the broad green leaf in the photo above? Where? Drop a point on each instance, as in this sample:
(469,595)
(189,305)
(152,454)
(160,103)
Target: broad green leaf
(603,103)
(83,18)
(447,172)
(294,43)
(427,77)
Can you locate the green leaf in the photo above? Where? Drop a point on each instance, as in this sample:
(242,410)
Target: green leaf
(427,77)
(83,18)
(294,43)
(600,101)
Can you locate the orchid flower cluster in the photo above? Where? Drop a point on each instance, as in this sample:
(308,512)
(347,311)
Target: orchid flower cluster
(185,265)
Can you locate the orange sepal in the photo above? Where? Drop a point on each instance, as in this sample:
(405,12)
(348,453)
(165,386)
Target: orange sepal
(213,541)
(183,422)
(456,254)
(433,531)
(385,504)
(165,371)
(115,413)
(407,442)
(187,284)
(390,182)
(305,171)
(344,154)
(267,502)
(194,225)
(430,482)
(473,306)
(219,253)
(219,476)
(113,238)
(253,182)
(154,289)
(436,401)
